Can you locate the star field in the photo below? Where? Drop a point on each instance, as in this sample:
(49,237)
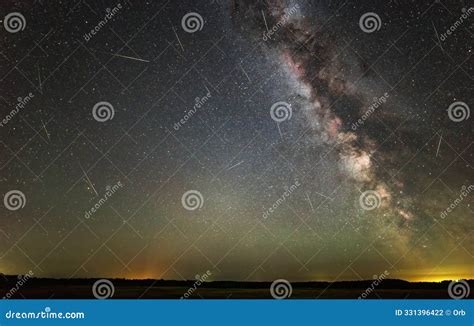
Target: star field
(258,141)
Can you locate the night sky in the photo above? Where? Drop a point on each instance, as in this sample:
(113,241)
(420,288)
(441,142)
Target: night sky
(257,140)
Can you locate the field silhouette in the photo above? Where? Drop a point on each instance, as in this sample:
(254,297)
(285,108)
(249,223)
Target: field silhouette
(81,288)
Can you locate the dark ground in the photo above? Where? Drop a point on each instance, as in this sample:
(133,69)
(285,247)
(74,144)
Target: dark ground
(160,289)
